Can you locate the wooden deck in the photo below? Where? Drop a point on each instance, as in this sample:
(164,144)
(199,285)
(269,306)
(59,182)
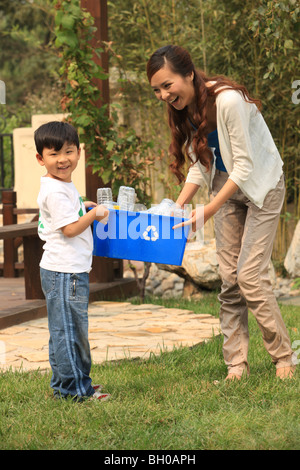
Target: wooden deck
(15,309)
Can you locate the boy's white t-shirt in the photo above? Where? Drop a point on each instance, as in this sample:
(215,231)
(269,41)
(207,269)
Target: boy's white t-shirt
(60,204)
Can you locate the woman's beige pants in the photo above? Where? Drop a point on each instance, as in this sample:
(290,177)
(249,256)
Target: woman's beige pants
(244,239)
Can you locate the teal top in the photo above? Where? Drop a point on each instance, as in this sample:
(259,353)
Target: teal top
(213,141)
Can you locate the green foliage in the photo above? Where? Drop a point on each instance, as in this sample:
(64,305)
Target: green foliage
(120,158)
(27,64)
(276,31)
(174,400)
(7,124)
(255,42)
(296,284)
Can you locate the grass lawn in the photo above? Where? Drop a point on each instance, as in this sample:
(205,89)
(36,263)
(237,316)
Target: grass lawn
(178,400)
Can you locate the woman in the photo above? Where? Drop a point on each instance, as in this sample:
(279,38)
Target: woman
(218,127)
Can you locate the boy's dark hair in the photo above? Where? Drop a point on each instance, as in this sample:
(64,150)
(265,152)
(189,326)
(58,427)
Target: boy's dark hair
(54,135)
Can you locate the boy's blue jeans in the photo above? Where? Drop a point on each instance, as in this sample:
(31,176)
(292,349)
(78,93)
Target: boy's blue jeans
(67,297)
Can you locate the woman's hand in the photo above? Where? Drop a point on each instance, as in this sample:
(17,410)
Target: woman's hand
(197,218)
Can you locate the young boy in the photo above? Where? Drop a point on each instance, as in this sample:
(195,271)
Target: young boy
(65,227)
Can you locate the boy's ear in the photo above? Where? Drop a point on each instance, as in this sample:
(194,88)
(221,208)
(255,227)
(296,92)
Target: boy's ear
(40,159)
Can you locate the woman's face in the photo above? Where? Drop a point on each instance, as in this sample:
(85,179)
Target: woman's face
(171,87)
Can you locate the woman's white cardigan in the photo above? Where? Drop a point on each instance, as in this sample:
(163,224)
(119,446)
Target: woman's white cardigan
(247,148)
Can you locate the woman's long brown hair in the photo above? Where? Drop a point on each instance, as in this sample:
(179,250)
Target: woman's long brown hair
(183,135)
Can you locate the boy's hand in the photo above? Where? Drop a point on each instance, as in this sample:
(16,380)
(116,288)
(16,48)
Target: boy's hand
(99,213)
(88,204)
(102,214)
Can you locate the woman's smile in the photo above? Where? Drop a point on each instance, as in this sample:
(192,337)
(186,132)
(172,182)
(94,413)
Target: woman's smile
(172,88)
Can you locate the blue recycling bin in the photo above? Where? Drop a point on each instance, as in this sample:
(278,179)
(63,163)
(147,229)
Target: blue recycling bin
(140,236)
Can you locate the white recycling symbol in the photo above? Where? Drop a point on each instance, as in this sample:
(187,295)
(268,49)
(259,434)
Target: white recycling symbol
(151,228)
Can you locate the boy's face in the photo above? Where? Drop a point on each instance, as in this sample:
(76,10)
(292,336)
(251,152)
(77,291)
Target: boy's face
(60,164)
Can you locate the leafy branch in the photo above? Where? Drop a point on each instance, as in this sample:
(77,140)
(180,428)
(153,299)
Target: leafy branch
(117,155)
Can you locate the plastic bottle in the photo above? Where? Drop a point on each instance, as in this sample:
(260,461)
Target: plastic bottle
(126,198)
(104,195)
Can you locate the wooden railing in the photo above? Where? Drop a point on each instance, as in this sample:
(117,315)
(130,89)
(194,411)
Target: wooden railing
(11,264)
(14,234)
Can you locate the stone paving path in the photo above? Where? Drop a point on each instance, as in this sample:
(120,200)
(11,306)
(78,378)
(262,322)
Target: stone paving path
(117,330)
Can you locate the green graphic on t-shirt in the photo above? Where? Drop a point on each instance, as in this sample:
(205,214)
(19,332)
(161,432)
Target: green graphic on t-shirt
(40,224)
(81,204)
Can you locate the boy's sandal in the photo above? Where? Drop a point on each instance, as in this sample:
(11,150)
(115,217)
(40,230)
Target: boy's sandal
(100,396)
(97,387)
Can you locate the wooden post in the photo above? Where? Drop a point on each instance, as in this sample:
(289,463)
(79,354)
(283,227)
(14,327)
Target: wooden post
(33,251)
(98,9)
(103,268)
(9,200)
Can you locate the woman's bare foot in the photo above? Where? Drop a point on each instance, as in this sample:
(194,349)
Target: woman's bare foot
(285,372)
(233,377)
